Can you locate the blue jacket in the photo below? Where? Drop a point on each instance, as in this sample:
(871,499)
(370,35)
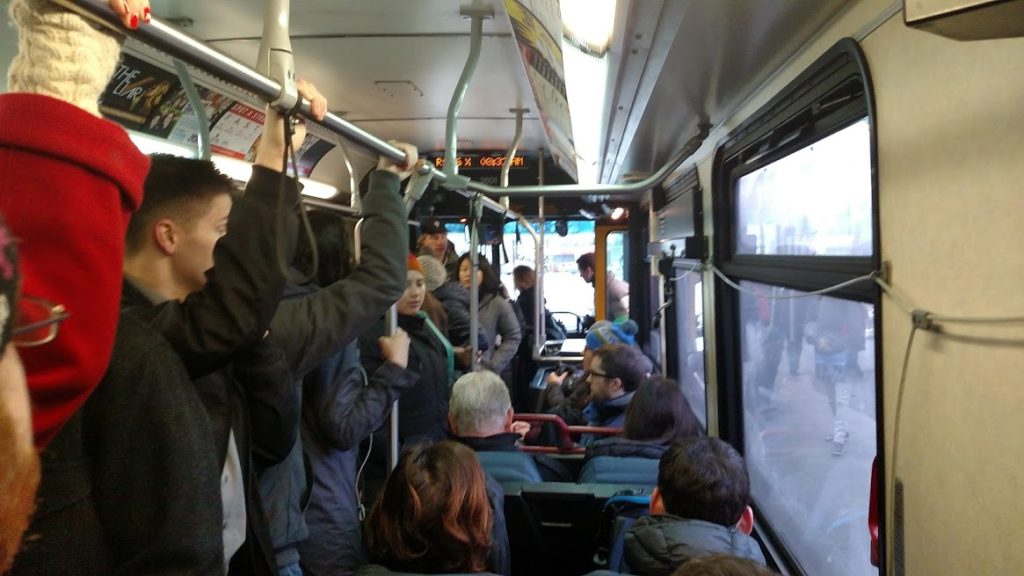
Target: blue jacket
(339,410)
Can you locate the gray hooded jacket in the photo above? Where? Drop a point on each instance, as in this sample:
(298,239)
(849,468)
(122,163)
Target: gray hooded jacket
(657,545)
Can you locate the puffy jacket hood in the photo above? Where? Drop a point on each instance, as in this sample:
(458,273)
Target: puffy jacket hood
(657,545)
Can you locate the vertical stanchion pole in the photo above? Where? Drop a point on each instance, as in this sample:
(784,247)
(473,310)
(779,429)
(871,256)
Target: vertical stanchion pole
(475,210)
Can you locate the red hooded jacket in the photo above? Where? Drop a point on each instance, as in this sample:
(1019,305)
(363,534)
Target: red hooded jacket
(69,182)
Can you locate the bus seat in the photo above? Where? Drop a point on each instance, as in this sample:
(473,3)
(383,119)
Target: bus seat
(620,470)
(620,512)
(510,466)
(568,517)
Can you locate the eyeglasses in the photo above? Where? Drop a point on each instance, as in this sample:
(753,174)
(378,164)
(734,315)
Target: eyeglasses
(36,322)
(592,373)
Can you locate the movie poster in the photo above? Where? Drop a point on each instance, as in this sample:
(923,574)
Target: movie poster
(135,93)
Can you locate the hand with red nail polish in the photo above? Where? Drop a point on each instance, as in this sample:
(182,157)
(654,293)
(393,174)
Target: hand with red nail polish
(131,12)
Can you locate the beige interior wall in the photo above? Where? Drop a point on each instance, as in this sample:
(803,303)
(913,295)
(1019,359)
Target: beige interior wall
(950,120)
(951,185)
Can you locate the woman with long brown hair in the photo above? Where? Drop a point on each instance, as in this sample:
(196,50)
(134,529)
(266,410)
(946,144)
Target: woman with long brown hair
(433,516)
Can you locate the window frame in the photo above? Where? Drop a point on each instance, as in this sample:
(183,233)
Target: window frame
(833,93)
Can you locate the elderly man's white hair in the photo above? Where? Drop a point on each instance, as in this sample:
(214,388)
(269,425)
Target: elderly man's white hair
(479,402)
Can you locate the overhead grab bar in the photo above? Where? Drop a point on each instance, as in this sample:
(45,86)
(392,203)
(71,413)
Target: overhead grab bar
(516,139)
(176,44)
(477,14)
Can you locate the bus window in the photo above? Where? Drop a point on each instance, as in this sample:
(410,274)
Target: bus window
(689,306)
(816,201)
(809,422)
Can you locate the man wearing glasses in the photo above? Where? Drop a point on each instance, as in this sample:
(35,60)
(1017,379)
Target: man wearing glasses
(615,372)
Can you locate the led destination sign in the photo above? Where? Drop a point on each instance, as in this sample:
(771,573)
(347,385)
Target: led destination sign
(471,161)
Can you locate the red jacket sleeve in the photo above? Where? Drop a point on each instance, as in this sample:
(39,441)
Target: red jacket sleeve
(68,184)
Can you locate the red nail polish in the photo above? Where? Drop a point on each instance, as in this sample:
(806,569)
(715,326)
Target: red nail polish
(146,17)
(134,22)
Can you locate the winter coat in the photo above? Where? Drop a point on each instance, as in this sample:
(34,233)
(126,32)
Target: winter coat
(246,392)
(455,300)
(142,433)
(378,570)
(657,545)
(311,326)
(339,410)
(423,408)
(72,185)
(625,448)
(550,469)
(498,319)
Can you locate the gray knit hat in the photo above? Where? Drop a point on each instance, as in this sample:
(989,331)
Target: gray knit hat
(434,273)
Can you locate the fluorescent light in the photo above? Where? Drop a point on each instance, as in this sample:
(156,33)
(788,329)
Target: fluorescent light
(233,168)
(587,34)
(150,145)
(588,24)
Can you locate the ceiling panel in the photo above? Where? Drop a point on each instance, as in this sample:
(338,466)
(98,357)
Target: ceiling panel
(722,51)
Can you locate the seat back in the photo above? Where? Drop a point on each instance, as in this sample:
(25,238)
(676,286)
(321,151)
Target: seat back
(620,470)
(510,466)
(620,512)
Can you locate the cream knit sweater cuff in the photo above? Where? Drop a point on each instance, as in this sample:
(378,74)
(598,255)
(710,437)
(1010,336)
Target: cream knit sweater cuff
(60,55)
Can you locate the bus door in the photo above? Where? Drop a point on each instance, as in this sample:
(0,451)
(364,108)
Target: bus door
(611,272)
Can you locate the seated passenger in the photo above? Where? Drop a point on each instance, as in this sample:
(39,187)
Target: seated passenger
(565,395)
(701,506)
(433,516)
(722,565)
(615,372)
(480,416)
(657,416)
(70,179)
(19,475)
(423,408)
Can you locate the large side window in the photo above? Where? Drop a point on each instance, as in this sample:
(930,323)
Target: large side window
(796,216)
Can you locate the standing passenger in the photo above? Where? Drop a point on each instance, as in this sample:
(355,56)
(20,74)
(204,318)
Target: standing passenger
(433,241)
(70,179)
(422,409)
(311,328)
(497,316)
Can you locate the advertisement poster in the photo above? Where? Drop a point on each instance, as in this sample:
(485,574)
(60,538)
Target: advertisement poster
(176,121)
(538,31)
(236,131)
(135,93)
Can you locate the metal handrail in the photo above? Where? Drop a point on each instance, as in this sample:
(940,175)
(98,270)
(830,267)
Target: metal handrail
(177,44)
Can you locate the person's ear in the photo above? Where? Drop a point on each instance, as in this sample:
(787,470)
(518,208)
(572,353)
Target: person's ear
(166,236)
(452,426)
(746,523)
(616,385)
(509,416)
(657,504)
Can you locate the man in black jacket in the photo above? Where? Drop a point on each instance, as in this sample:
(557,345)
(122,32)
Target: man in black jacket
(311,328)
(216,319)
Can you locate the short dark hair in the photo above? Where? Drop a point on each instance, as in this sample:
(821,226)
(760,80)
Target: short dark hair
(626,363)
(522,272)
(433,515)
(491,284)
(704,479)
(332,244)
(586,261)
(179,188)
(658,412)
(722,565)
